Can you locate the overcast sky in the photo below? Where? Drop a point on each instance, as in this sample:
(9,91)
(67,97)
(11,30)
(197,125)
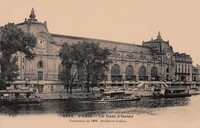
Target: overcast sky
(130,21)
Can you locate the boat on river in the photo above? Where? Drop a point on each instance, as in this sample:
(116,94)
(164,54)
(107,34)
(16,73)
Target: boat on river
(172,92)
(116,96)
(18,97)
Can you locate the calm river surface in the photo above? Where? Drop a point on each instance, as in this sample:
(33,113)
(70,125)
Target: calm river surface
(65,107)
(173,112)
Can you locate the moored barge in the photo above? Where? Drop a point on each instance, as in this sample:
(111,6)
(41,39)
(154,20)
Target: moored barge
(18,97)
(172,92)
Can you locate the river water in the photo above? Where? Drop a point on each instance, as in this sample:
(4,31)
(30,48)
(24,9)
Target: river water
(173,112)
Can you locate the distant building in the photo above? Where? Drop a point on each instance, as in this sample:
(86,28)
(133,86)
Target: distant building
(154,60)
(183,69)
(196,73)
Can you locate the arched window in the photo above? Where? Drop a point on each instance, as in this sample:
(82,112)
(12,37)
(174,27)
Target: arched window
(194,79)
(129,72)
(40,64)
(167,70)
(115,70)
(115,73)
(142,73)
(154,73)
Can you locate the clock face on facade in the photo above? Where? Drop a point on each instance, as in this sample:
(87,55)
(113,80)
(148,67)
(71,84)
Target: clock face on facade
(42,41)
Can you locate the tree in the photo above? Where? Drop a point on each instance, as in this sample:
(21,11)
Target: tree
(70,62)
(13,41)
(95,60)
(87,55)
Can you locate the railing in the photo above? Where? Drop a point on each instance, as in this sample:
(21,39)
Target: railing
(130,78)
(155,78)
(143,78)
(45,77)
(51,77)
(116,78)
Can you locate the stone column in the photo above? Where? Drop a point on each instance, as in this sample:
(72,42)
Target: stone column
(148,71)
(186,69)
(183,68)
(161,72)
(123,68)
(108,75)
(190,78)
(173,73)
(136,71)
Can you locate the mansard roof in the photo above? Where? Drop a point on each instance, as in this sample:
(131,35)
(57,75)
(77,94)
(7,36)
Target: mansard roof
(177,54)
(122,46)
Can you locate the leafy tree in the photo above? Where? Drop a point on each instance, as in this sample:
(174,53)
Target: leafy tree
(12,42)
(70,62)
(87,55)
(95,60)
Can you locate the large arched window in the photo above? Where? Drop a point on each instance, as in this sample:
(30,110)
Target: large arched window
(129,72)
(154,73)
(115,70)
(115,73)
(142,73)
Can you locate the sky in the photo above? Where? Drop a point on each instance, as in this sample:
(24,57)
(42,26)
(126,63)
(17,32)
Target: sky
(130,21)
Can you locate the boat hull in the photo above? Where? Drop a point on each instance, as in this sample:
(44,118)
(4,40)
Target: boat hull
(19,101)
(117,100)
(170,95)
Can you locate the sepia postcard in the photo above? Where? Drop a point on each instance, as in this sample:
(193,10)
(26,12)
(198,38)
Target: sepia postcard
(99,64)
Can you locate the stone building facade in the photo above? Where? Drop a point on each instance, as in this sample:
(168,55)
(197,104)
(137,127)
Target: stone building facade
(154,60)
(183,69)
(196,73)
